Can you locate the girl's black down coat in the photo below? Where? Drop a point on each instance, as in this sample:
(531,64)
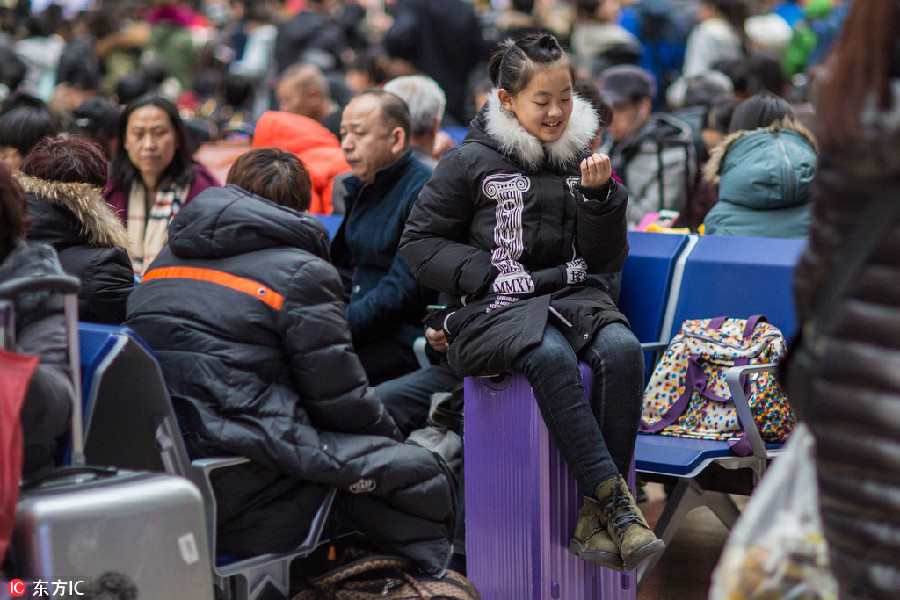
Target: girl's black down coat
(282,386)
(504,196)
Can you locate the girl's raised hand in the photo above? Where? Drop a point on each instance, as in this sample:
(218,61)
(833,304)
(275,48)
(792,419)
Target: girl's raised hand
(595,170)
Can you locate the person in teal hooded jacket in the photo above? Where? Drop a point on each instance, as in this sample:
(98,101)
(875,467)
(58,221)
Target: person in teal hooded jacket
(764,177)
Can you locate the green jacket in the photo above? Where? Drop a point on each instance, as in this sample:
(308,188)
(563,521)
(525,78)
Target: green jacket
(765,179)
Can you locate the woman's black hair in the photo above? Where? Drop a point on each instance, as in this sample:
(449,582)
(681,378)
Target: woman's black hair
(514,64)
(718,116)
(24,126)
(123,172)
(760,110)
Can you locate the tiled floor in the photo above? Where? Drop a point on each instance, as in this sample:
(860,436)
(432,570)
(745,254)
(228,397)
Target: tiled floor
(684,572)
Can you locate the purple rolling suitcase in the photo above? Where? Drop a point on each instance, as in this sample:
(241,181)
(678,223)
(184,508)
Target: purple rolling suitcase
(522,504)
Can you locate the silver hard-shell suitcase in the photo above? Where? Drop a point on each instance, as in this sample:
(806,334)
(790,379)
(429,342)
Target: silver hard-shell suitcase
(83,523)
(79,523)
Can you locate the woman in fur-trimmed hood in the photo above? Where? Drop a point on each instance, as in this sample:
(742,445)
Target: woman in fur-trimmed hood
(765,181)
(64,180)
(516,225)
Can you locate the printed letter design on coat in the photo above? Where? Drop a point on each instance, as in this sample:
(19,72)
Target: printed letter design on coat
(507,189)
(363,486)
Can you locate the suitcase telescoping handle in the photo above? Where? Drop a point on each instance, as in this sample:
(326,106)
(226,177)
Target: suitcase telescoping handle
(63,473)
(61,284)
(68,286)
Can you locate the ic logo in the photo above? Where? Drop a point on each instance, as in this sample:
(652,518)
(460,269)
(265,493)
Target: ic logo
(16,588)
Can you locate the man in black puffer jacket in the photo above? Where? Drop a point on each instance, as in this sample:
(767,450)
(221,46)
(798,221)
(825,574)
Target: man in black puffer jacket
(246,316)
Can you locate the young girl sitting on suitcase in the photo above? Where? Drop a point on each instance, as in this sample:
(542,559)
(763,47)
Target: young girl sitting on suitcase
(516,224)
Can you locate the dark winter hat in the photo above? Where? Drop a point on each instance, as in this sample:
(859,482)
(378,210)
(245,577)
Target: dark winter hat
(626,82)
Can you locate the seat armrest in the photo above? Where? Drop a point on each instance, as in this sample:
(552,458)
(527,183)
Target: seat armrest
(199,472)
(208,465)
(653,346)
(741,402)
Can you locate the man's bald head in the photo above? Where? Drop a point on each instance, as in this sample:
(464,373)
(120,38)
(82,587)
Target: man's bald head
(303,90)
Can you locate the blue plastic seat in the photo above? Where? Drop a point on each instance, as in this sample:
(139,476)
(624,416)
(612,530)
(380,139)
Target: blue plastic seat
(718,276)
(133,426)
(331,222)
(652,269)
(738,277)
(458,134)
(99,345)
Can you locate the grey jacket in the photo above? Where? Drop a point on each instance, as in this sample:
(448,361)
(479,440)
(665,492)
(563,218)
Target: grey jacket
(41,330)
(657,164)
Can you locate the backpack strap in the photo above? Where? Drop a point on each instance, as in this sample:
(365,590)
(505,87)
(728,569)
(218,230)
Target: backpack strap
(693,377)
(752,321)
(740,445)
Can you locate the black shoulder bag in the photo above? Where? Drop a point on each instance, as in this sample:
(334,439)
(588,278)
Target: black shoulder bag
(807,348)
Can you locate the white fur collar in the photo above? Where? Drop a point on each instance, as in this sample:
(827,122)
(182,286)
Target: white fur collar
(504,127)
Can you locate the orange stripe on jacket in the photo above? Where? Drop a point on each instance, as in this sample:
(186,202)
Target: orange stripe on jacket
(247,286)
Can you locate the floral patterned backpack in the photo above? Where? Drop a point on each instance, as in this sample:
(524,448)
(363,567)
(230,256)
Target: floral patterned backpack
(688,396)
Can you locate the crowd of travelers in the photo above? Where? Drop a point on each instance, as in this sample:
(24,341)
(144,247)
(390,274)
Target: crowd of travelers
(169,154)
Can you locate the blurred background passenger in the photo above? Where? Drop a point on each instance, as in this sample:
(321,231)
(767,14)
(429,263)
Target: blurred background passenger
(152,175)
(12,72)
(426,102)
(97,118)
(253,43)
(764,169)
(715,128)
(169,41)
(596,30)
(64,180)
(304,90)
(40,49)
(719,35)
(24,121)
